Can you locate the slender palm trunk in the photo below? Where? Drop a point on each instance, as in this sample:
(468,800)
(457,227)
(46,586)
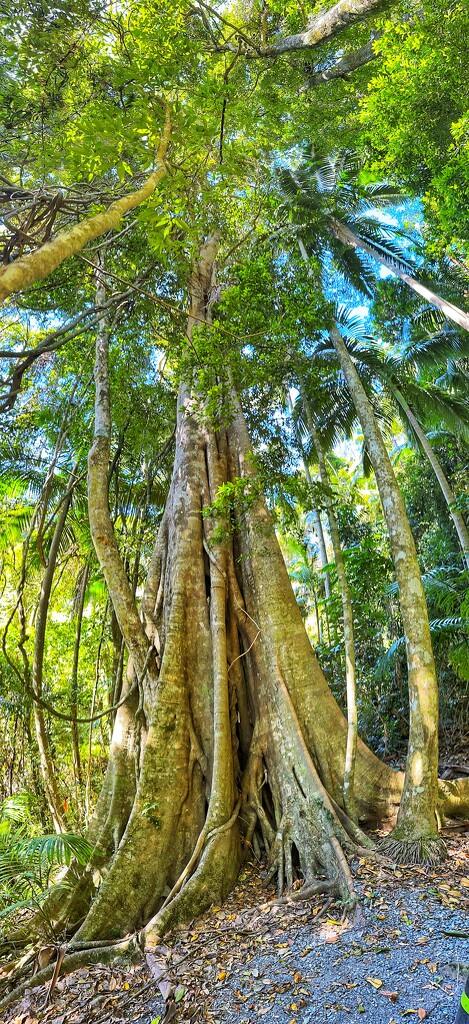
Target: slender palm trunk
(314,511)
(452,312)
(74,680)
(416,834)
(42,736)
(347,614)
(458,519)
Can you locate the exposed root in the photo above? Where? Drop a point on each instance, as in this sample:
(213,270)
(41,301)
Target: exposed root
(356,834)
(307,891)
(430,850)
(213,879)
(72,961)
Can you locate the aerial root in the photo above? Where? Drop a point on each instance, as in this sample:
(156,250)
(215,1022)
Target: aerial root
(280,859)
(426,850)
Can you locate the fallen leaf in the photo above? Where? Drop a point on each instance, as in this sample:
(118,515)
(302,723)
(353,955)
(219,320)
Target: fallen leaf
(157,966)
(376,982)
(391,995)
(45,955)
(421,1013)
(165,988)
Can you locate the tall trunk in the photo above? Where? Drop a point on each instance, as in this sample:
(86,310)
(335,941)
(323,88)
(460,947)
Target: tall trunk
(314,511)
(457,517)
(42,736)
(74,678)
(452,312)
(416,833)
(347,613)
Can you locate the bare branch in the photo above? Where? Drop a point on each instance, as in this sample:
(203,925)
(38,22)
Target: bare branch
(349,63)
(320,29)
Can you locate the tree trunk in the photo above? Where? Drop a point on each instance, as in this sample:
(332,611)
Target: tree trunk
(314,511)
(347,613)
(458,519)
(45,756)
(83,583)
(416,834)
(344,234)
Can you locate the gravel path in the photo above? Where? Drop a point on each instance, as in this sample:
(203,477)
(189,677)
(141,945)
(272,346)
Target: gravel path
(371,973)
(257,960)
(391,962)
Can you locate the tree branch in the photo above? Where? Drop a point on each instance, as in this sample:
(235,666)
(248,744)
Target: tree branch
(349,63)
(321,28)
(37,265)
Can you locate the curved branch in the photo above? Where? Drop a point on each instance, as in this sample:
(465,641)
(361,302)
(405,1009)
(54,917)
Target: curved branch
(101,527)
(37,265)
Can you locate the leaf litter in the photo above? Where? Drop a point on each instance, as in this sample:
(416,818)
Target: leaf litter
(401,956)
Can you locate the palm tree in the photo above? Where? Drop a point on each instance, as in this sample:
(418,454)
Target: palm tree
(415,400)
(416,834)
(334,214)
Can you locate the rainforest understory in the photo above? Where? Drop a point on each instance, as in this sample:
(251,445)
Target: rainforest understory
(233,461)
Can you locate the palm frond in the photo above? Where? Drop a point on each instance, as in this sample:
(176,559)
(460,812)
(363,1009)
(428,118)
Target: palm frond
(383,194)
(53,849)
(434,351)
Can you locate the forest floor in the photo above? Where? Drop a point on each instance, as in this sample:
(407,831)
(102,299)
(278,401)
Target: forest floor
(259,960)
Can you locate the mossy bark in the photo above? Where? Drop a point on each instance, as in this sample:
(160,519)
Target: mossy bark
(37,265)
(416,834)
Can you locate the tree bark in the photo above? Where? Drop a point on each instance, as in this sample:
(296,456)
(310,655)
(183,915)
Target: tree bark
(314,512)
(416,834)
(74,678)
(452,312)
(457,517)
(45,756)
(324,26)
(344,67)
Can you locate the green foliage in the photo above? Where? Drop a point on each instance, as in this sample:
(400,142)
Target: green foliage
(29,863)
(415,114)
(232,500)
(83,91)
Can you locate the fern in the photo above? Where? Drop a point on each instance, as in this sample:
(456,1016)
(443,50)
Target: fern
(29,864)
